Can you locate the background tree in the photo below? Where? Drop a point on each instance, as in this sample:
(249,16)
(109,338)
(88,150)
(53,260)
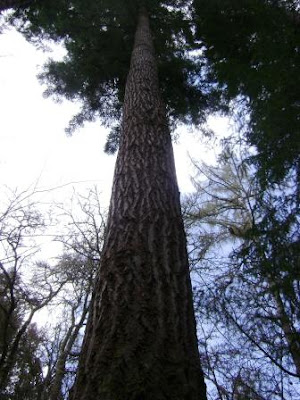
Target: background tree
(251,305)
(26,286)
(82,241)
(63,341)
(27,373)
(40,362)
(251,52)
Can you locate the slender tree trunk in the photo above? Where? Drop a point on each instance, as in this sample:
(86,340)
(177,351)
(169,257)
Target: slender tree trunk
(290,333)
(64,352)
(140,342)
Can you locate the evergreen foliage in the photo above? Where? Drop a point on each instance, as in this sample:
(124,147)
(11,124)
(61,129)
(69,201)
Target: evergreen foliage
(98,36)
(26,377)
(252,52)
(245,52)
(7,4)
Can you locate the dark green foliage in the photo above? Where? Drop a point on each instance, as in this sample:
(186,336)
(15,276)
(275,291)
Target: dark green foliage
(27,375)
(7,4)
(98,44)
(249,51)
(98,36)
(24,379)
(112,140)
(274,243)
(252,48)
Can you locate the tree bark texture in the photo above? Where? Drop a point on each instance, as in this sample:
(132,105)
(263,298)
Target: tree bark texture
(140,341)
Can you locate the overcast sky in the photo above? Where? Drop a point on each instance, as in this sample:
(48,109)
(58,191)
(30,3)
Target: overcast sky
(34,149)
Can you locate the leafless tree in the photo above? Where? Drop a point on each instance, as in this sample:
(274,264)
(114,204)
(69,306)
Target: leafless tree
(26,286)
(82,239)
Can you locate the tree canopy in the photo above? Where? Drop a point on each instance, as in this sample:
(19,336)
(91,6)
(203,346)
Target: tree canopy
(212,55)
(98,37)
(252,53)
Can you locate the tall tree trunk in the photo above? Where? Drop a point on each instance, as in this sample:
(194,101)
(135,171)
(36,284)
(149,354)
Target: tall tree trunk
(140,342)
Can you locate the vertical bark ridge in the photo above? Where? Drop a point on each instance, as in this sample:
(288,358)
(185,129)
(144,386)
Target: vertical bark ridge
(140,342)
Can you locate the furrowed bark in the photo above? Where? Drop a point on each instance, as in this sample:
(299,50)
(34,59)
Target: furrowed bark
(140,341)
